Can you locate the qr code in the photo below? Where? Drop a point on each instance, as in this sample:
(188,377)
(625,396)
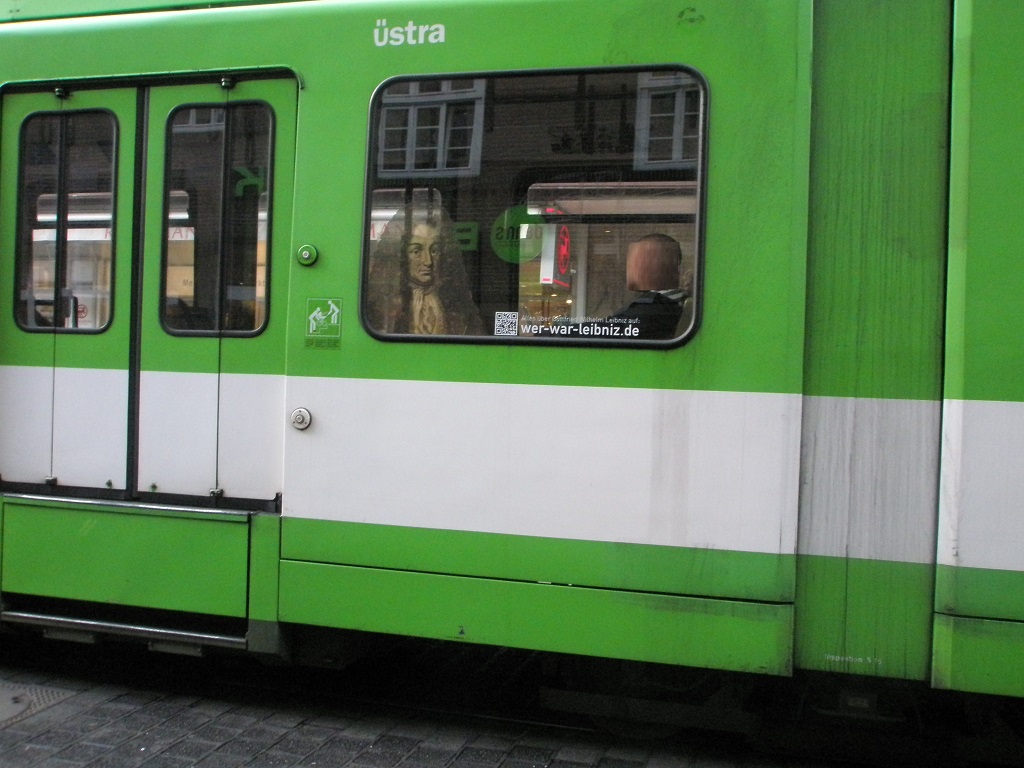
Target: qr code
(506,323)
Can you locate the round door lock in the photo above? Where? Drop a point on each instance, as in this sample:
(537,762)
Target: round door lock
(301,419)
(307,255)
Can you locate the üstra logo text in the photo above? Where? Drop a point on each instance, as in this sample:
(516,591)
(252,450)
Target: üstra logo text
(411,34)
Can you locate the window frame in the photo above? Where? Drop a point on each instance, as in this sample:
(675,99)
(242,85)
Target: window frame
(692,171)
(168,214)
(61,225)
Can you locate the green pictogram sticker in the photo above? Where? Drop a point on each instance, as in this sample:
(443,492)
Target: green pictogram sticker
(323,323)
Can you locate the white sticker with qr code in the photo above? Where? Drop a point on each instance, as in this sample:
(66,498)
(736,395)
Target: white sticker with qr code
(506,323)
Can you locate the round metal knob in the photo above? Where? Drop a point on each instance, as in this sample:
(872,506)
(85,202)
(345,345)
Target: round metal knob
(301,419)
(307,255)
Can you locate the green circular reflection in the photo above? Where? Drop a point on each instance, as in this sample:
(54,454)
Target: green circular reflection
(517,235)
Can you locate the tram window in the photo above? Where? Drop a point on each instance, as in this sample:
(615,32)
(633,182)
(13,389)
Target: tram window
(216,211)
(65,225)
(537,207)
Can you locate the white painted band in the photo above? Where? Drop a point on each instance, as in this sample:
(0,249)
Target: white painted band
(677,468)
(870,478)
(199,432)
(68,423)
(981,508)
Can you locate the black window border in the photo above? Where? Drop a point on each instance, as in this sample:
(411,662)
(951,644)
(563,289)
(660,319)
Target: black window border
(165,212)
(372,150)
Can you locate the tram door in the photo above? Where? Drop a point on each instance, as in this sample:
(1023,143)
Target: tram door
(140,354)
(211,386)
(65,264)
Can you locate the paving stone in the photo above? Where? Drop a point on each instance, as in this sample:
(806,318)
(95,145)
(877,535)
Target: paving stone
(377,760)
(243,747)
(481,755)
(297,745)
(81,753)
(111,760)
(339,749)
(15,734)
(212,707)
(430,756)
(25,754)
(371,728)
(272,759)
(214,732)
(220,760)
(530,754)
(319,761)
(137,698)
(55,737)
(461,762)
(191,748)
(580,754)
(167,761)
(235,719)
(114,710)
(631,759)
(110,736)
(188,718)
(286,719)
(331,751)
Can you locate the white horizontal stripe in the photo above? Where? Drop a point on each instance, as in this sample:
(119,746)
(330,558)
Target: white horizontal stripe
(981,509)
(870,470)
(26,423)
(90,427)
(178,432)
(252,425)
(697,469)
(197,433)
(70,424)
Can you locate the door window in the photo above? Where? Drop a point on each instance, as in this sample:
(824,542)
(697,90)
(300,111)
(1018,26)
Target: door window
(216,211)
(64,250)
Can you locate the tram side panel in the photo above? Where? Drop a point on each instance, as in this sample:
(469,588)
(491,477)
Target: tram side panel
(644,489)
(979,629)
(499,492)
(874,357)
(495,492)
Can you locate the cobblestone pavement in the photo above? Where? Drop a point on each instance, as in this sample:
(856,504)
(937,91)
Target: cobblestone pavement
(165,712)
(67,706)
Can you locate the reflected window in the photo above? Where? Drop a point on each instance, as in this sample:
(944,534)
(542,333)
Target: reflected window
(431,127)
(216,207)
(64,251)
(581,222)
(669,114)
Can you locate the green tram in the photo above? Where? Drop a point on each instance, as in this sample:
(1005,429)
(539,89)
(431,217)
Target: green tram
(636,330)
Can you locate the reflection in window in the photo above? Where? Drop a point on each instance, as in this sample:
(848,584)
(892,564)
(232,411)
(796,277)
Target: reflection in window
(417,278)
(216,210)
(580,221)
(669,113)
(65,221)
(431,127)
(587,272)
